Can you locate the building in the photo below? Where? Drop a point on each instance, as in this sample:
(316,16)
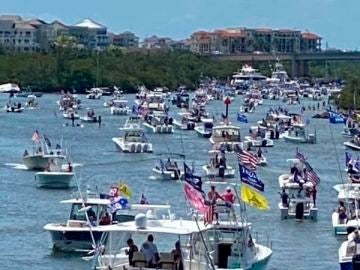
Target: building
(261,40)
(126,39)
(155,42)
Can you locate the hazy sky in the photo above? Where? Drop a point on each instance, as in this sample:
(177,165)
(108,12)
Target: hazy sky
(337,21)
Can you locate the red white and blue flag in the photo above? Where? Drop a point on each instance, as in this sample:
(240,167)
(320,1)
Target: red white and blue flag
(247,159)
(36,136)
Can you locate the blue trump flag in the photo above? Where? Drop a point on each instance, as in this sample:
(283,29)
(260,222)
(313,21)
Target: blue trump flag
(336,118)
(249,177)
(348,158)
(242,118)
(193,180)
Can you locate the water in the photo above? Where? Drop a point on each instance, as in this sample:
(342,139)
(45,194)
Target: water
(25,209)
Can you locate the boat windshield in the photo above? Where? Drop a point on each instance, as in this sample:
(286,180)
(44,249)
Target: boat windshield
(95,211)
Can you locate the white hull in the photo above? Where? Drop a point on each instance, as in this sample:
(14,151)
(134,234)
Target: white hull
(289,213)
(14,110)
(132,147)
(184,126)
(164,174)
(119,111)
(352,146)
(68,116)
(88,119)
(36,162)
(202,132)
(214,172)
(259,142)
(161,129)
(53,179)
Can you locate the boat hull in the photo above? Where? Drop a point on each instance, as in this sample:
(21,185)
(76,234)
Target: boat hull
(70,241)
(55,180)
(352,146)
(132,147)
(36,162)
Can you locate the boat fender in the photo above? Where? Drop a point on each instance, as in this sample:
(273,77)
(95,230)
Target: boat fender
(140,221)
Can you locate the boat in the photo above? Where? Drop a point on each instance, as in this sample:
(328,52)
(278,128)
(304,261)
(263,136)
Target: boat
(354,144)
(226,136)
(90,117)
(75,235)
(247,108)
(350,197)
(41,154)
(217,166)
(133,139)
(31,102)
(54,176)
(230,243)
(71,114)
(298,206)
(68,101)
(205,130)
(297,134)
(9,88)
(187,122)
(167,170)
(159,123)
(14,108)
(349,252)
(182,100)
(119,107)
(247,74)
(350,132)
(258,141)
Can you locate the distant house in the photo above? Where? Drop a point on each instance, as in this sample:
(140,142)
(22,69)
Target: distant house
(126,39)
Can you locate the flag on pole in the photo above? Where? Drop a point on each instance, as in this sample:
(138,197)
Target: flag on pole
(348,158)
(193,180)
(300,156)
(242,118)
(143,199)
(336,118)
(248,159)
(254,198)
(310,174)
(209,215)
(196,198)
(125,190)
(250,178)
(36,136)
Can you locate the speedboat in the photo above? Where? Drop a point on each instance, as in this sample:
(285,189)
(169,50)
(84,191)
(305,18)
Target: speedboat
(54,176)
(230,242)
(205,130)
(14,108)
(186,123)
(299,206)
(217,167)
(258,141)
(350,197)
(119,107)
(349,132)
(167,171)
(71,114)
(90,117)
(349,252)
(298,134)
(226,137)
(41,154)
(133,139)
(354,144)
(32,102)
(159,123)
(75,235)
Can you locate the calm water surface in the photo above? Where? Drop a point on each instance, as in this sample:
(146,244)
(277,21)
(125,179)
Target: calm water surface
(25,209)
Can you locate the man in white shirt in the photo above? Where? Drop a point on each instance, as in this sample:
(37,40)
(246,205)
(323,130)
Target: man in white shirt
(150,251)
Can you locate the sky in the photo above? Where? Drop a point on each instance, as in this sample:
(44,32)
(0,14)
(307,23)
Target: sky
(336,21)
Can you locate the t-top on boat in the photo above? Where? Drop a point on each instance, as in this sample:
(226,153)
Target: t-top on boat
(227,137)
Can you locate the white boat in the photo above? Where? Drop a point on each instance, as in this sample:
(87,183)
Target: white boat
(54,176)
(246,74)
(41,154)
(354,144)
(205,130)
(133,139)
(350,197)
(258,141)
(194,237)
(299,206)
(93,96)
(75,234)
(90,117)
(161,124)
(119,107)
(14,108)
(350,132)
(298,134)
(226,136)
(217,166)
(186,123)
(167,171)
(68,101)
(32,102)
(9,88)
(71,114)
(349,252)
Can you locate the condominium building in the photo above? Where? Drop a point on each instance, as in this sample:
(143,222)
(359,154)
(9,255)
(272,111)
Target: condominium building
(244,40)
(126,39)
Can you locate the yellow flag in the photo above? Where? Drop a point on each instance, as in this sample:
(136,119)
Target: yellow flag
(125,190)
(254,198)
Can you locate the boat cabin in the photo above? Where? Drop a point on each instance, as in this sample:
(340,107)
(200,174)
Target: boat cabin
(226,134)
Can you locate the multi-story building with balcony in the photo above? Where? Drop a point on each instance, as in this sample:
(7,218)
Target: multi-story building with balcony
(244,40)
(126,39)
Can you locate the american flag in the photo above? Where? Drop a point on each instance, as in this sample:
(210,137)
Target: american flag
(300,156)
(36,136)
(209,215)
(311,175)
(247,158)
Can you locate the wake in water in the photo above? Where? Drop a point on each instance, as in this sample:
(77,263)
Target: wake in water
(18,166)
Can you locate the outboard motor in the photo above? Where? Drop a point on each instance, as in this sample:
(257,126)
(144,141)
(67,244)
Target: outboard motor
(132,148)
(171,120)
(145,148)
(299,211)
(272,134)
(264,143)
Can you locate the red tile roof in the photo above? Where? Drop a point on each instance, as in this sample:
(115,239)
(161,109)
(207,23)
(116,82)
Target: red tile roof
(309,35)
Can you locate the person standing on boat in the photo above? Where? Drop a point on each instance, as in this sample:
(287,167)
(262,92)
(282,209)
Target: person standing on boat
(213,196)
(177,255)
(99,120)
(259,153)
(314,193)
(150,251)
(342,212)
(130,252)
(284,198)
(72,119)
